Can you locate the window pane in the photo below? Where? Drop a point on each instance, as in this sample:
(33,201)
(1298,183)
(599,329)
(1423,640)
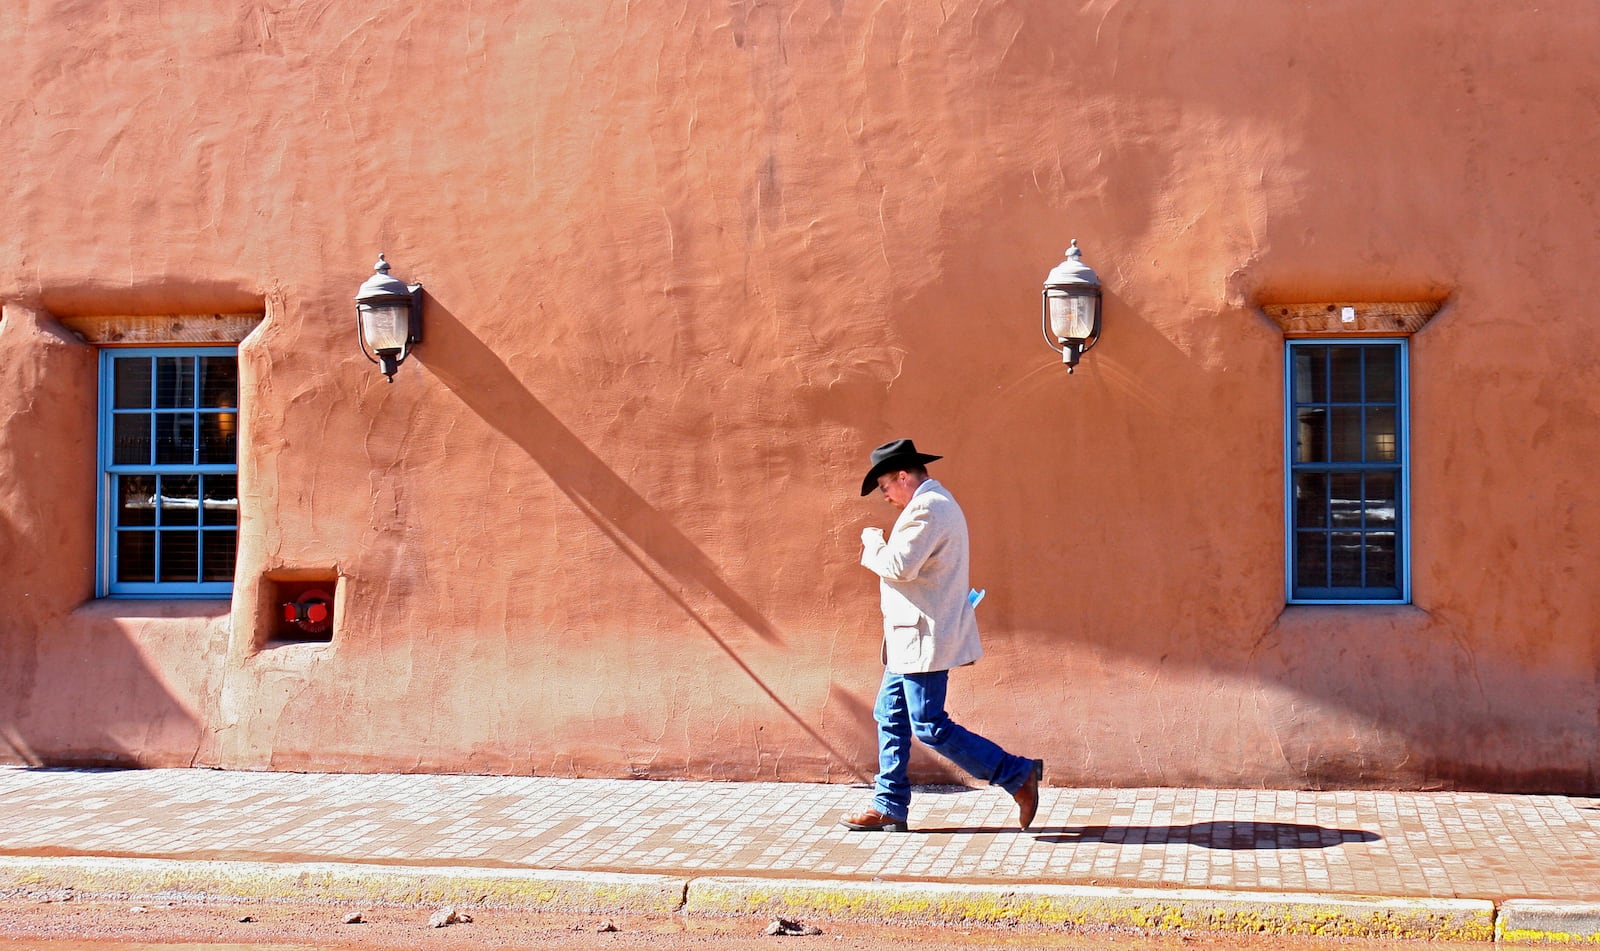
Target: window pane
(1383,440)
(174,439)
(1310,375)
(1344,374)
(219,555)
(1311,559)
(174,382)
(1381,501)
(132,387)
(1381,374)
(1311,436)
(219,382)
(1345,499)
(180,556)
(130,439)
(136,556)
(1311,499)
(1344,561)
(221,500)
(136,500)
(1346,432)
(218,438)
(180,500)
(1381,563)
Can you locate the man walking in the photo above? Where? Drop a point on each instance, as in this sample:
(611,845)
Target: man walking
(928,628)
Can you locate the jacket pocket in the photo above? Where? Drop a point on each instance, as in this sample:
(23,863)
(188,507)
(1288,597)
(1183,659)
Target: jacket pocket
(907,647)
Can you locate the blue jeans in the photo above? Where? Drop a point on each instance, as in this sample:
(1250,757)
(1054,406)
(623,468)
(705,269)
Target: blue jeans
(913,705)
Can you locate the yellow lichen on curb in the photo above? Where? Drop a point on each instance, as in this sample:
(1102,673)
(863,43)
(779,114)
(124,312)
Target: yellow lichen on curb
(519,888)
(1041,906)
(1048,907)
(1537,936)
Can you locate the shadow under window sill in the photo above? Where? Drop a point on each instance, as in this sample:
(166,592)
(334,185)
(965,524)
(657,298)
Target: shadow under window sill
(155,608)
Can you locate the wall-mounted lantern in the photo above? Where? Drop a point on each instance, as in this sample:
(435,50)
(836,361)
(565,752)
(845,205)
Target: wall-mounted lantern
(389,318)
(1072,308)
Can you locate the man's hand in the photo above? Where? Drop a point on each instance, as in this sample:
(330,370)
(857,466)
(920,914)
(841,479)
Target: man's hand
(871,537)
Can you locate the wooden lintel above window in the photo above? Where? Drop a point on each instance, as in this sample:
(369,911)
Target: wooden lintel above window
(147,330)
(1367,319)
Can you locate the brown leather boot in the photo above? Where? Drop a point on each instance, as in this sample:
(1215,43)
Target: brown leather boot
(1028,796)
(873,821)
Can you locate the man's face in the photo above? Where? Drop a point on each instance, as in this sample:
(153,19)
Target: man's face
(897,488)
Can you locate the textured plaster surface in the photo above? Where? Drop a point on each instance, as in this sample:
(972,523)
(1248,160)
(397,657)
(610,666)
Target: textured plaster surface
(686,265)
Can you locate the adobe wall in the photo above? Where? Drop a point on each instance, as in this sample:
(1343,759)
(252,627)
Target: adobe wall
(685,266)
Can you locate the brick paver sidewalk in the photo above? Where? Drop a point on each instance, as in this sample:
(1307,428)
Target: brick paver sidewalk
(1436,845)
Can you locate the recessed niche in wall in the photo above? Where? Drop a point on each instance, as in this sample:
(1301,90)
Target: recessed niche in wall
(300,607)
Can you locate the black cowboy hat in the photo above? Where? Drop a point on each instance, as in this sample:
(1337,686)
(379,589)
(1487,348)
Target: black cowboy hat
(893,456)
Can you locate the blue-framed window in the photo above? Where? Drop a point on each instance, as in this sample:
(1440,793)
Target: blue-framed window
(1348,471)
(169,471)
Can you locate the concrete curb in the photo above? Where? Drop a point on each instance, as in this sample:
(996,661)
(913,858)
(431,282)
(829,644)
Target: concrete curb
(1530,921)
(999,904)
(1451,919)
(383,884)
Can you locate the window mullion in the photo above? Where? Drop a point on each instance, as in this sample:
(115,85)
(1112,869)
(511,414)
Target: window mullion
(194,415)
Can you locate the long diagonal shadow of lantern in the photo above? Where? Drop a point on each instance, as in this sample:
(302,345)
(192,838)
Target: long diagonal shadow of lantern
(477,376)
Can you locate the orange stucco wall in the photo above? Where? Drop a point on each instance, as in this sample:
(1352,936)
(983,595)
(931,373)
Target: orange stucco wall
(686,264)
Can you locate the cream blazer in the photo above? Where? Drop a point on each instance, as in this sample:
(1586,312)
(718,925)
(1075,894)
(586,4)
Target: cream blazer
(928,623)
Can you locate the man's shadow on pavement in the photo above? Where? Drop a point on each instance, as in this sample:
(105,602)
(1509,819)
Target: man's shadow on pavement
(1256,836)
